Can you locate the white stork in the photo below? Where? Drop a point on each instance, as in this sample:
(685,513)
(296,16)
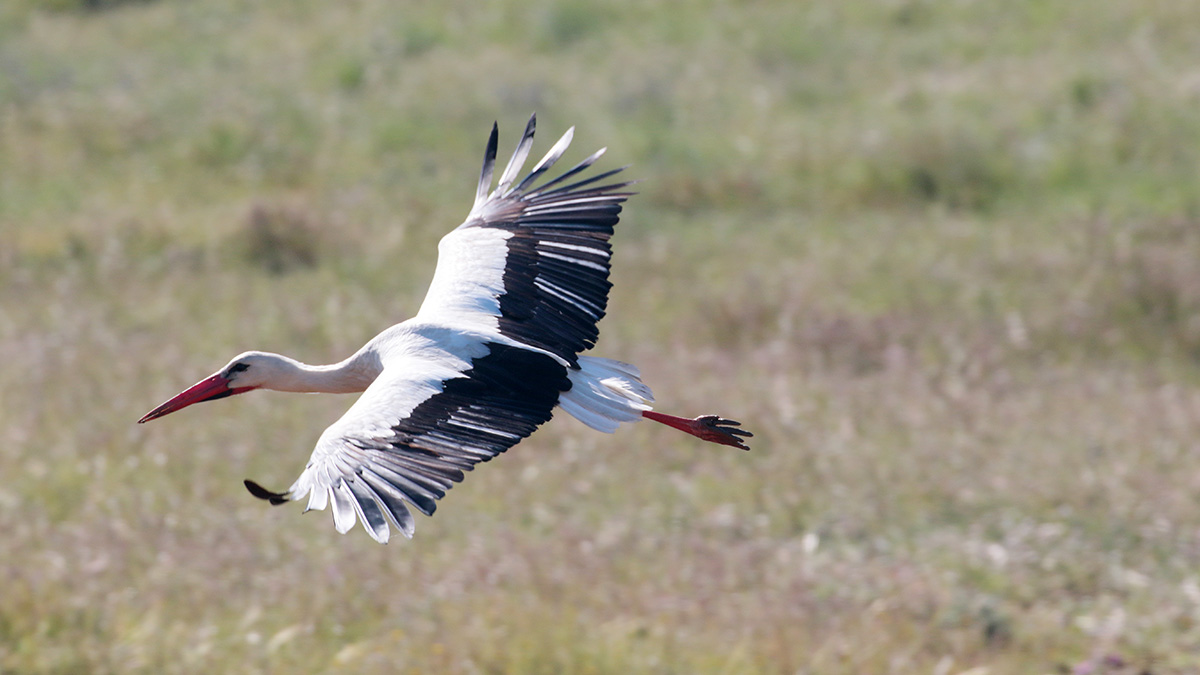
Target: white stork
(516,296)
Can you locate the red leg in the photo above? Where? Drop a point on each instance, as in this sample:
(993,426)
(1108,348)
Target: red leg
(710,428)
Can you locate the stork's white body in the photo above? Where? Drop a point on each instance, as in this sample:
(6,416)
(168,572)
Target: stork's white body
(517,294)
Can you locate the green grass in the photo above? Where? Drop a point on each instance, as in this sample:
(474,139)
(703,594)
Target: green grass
(943,258)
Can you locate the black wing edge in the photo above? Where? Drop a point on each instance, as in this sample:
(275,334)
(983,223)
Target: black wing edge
(523,193)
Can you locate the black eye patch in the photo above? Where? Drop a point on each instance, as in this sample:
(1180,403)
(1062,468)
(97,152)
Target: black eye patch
(237,368)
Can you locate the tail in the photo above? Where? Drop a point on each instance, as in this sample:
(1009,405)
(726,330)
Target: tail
(604,393)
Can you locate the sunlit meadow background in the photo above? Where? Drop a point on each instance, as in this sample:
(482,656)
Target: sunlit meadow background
(942,257)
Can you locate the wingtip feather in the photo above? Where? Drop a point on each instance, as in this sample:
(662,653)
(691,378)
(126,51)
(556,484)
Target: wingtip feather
(489,165)
(543,165)
(369,510)
(344,511)
(520,154)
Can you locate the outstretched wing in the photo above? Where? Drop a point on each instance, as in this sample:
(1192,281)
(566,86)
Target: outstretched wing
(531,263)
(429,417)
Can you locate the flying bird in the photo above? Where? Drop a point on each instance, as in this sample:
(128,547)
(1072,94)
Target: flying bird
(516,296)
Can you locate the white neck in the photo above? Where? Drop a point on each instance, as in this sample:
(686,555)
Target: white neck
(349,376)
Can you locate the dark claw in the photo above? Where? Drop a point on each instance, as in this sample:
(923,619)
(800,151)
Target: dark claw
(725,431)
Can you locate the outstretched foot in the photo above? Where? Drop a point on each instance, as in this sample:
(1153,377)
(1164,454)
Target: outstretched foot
(711,428)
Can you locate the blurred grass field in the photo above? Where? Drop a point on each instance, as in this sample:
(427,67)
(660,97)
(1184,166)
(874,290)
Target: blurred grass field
(942,257)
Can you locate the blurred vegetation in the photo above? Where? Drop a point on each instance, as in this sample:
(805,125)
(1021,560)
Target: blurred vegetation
(943,258)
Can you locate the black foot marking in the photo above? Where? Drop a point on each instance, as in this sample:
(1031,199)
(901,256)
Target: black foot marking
(276,498)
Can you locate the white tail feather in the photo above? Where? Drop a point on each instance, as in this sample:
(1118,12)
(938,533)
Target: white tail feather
(604,393)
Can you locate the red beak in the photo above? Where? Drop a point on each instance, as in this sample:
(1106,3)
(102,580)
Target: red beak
(209,389)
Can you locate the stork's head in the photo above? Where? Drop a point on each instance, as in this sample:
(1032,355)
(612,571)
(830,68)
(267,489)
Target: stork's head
(246,372)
